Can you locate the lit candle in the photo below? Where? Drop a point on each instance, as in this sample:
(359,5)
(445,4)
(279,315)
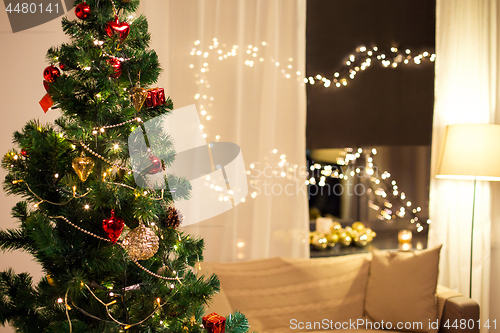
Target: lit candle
(404,236)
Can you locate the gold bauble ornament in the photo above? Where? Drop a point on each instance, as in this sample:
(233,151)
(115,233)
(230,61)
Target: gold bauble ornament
(141,243)
(83,167)
(50,280)
(311,236)
(361,240)
(139,96)
(346,241)
(334,238)
(345,238)
(358,226)
(370,233)
(319,242)
(336,226)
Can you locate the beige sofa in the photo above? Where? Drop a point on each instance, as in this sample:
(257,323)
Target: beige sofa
(289,295)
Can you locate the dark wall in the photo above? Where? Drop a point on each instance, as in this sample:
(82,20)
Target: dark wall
(381,106)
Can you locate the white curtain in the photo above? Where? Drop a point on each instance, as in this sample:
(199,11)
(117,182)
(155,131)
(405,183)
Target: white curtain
(242,63)
(466,88)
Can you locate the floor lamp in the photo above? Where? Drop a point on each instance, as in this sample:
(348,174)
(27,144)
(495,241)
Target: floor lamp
(471,152)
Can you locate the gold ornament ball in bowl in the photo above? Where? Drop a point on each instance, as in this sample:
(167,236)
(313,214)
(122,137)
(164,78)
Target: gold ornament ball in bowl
(361,240)
(350,232)
(345,238)
(336,226)
(141,243)
(358,226)
(370,233)
(333,238)
(319,242)
(345,241)
(312,234)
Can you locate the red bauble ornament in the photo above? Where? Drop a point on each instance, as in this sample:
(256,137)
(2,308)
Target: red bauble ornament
(113,227)
(24,153)
(82,11)
(117,66)
(51,73)
(116,27)
(155,166)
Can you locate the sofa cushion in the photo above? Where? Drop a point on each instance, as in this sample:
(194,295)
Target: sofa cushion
(273,292)
(402,288)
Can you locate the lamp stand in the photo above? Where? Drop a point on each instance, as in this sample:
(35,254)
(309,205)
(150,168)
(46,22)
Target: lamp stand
(472,237)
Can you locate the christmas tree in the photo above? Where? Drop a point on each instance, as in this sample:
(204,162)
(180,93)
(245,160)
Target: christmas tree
(114,258)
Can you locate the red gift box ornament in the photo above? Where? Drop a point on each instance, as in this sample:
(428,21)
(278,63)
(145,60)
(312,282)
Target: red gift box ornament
(156,96)
(46,103)
(150,100)
(214,323)
(161,96)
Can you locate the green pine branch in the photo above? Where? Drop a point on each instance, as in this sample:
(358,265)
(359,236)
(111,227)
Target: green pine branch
(15,239)
(237,323)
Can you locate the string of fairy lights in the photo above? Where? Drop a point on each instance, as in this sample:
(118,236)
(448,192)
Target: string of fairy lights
(358,61)
(389,203)
(362,59)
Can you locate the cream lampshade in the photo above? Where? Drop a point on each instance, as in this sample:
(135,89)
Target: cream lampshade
(471,151)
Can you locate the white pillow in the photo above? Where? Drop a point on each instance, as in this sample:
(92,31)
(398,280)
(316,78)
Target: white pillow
(401,289)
